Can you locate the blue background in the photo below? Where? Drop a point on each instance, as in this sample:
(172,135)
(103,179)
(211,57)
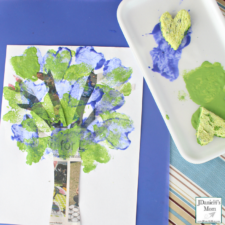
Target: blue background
(94,22)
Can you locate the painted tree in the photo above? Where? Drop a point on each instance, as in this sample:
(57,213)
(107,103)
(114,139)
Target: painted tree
(57,105)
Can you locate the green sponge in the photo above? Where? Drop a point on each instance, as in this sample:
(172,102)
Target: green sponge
(174,30)
(209,125)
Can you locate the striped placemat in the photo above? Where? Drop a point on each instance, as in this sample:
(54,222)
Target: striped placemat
(221,4)
(188,181)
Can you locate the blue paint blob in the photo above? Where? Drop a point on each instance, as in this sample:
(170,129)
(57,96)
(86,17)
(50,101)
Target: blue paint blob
(89,56)
(109,66)
(21,134)
(165,59)
(116,101)
(95,97)
(62,87)
(61,52)
(110,126)
(78,88)
(38,90)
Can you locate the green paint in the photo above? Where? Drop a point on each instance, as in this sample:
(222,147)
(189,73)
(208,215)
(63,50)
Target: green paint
(55,113)
(41,124)
(73,53)
(29,125)
(114,115)
(34,151)
(182,95)
(118,75)
(205,86)
(15,115)
(57,64)
(126,89)
(69,106)
(217,128)
(77,71)
(167,117)
(91,153)
(121,121)
(26,66)
(107,97)
(66,110)
(66,142)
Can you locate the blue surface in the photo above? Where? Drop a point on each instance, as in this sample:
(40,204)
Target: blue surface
(74,22)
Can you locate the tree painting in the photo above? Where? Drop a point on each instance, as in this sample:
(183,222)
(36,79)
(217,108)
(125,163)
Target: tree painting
(58,104)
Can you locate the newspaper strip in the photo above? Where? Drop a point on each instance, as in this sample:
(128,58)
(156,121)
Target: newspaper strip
(65,205)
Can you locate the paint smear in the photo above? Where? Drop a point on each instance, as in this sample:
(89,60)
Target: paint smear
(206,87)
(167,117)
(182,95)
(165,59)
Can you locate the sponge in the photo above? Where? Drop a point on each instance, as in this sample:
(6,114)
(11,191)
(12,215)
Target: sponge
(209,125)
(174,30)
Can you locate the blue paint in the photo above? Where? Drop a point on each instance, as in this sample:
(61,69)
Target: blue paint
(78,88)
(89,56)
(21,134)
(109,66)
(95,97)
(109,105)
(181,2)
(165,59)
(38,90)
(60,53)
(62,87)
(47,152)
(41,60)
(110,126)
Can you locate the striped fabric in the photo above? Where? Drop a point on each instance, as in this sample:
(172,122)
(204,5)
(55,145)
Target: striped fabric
(188,181)
(221,4)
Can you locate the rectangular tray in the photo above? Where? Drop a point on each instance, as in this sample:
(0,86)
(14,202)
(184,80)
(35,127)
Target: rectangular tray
(137,19)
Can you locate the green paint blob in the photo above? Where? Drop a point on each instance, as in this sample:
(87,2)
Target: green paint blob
(182,95)
(91,153)
(66,142)
(57,64)
(66,110)
(69,105)
(126,89)
(74,72)
(26,66)
(55,113)
(118,75)
(118,119)
(73,53)
(205,86)
(29,125)
(107,97)
(41,124)
(35,150)
(167,117)
(15,115)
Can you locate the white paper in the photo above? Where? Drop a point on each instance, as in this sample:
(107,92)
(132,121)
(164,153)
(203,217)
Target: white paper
(108,194)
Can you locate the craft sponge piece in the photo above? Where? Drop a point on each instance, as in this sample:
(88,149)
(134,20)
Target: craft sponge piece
(174,30)
(209,125)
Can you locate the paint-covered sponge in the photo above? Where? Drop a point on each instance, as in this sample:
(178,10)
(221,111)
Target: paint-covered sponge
(174,30)
(209,125)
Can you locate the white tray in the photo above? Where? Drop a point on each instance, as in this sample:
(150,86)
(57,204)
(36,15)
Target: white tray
(137,18)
